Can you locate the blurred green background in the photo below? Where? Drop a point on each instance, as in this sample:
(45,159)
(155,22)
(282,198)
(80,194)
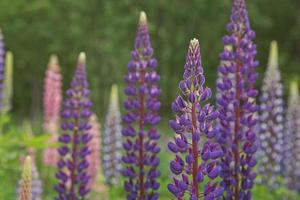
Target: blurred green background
(105,30)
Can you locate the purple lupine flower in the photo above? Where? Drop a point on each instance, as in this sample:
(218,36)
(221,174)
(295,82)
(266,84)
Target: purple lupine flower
(291,145)
(2,63)
(112,140)
(237,106)
(72,165)
(197,155)
(142,105)
(271,122)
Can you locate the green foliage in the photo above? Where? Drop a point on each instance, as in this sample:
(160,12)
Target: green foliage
(105,31)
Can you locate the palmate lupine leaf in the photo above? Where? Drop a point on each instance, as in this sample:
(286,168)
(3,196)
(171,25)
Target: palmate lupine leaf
(142,105)
(25,184)
(52,106)
(72,165)
(291,146)
(8,82)
(112,140)
(271,122)
(196,152)
(237,107)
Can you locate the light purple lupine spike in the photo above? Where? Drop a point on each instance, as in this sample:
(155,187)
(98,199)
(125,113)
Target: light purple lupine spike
(112,140)
(2,63)
(271,122)
(292,140)
(196,152)
(142,105)
(237,107)
(72,165)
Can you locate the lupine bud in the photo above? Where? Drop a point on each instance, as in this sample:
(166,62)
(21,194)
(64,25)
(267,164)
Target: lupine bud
(112,140)
(197,155)
(72,165)
(291,144)
(236,105)
(142,116)
(94,158)
(52,105)
(271,122)
(36,183)
(25,183)
(8,82)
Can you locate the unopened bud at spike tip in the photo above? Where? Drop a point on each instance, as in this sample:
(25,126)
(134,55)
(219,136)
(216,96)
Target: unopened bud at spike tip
(294,89)
(273,57)
(82,58)
(143,18)
(53,59)
(194,42)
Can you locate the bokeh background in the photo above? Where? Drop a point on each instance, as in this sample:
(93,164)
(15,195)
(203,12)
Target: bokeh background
(105,30)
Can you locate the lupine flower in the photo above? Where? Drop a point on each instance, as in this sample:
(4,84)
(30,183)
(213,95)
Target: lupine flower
(271,122)
(94,158)
(72,165)
(36,183)
(52,105)
(8,83)
(237,107)
(112,140)
(142,105)
(2,62)
(196,152)
(291,161)
(25,184)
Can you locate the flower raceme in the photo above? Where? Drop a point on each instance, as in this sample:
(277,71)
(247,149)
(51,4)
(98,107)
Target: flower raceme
(236,105)
(112,140)
(25,192)
(292,140)
(52,105)
(2,62)
(142,105)
(197,153)
(271,122)
(72,165)
(8,82)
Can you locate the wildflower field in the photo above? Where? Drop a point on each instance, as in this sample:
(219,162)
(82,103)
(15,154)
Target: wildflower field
(149,100)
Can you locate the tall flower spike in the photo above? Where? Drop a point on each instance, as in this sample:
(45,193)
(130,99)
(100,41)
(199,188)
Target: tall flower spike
(112,140)
(25,184)
(94,158)
(2,62)
(8,82)
(196,153)
(142,105)
(52,106)
(36,183)
(292,140)
(72,165)
(237,106)
(271,122)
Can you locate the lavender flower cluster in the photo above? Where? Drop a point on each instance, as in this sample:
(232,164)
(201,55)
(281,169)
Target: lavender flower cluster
(112,140)
(142,105)
(197,155)
(271,122)
(291,141)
